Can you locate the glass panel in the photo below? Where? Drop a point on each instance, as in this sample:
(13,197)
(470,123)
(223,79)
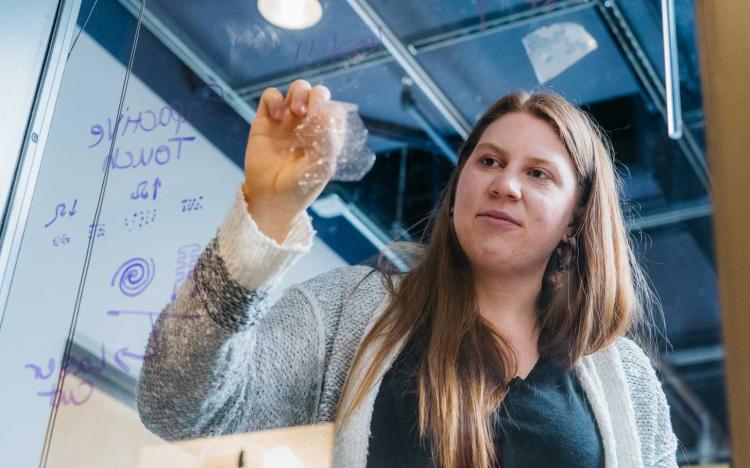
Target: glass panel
(40,313)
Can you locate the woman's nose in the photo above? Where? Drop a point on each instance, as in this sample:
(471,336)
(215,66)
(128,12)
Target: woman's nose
(506,184)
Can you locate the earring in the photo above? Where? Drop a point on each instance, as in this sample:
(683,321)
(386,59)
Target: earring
(558,256)
(564,263)
(450,212)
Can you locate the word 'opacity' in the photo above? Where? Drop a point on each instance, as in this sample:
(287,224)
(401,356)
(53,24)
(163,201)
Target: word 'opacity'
(166,116)
(147,120)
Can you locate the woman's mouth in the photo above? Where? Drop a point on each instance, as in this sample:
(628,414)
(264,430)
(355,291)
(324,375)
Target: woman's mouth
(499,222)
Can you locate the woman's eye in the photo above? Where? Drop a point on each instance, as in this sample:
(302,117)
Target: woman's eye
(487,161)
(539,171)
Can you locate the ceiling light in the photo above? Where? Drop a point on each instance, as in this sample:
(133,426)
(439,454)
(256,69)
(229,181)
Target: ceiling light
(291,14)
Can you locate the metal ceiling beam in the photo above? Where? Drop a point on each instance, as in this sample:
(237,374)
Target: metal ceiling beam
(447,38)
(332,205)
(722,454)
(411,66)
(675,214)
(710,431)
(411,137)
(649,79)
(410,106)
(694,118)
(320,71)
(696,355)
(504,22)
(398,222)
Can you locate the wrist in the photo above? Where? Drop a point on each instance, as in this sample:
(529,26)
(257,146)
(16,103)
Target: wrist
(273,220)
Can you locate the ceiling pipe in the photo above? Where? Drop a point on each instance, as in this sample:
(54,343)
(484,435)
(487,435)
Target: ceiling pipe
(671,70)
(635,56)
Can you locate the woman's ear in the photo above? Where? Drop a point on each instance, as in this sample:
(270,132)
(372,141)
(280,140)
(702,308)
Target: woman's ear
(574,221)
(570,230)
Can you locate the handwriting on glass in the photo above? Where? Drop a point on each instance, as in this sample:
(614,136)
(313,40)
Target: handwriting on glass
(187,256)
(86,369)
(62,239)
(147,120)
(160,155)
(77,367)
(62,210)
(363,45)
(80,367)
(134,276)
(192,204)
(165,118)
(99,230)
(71,398)
(143,192)
(140,218)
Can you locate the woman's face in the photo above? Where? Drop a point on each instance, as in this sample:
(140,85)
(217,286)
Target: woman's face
(521,168)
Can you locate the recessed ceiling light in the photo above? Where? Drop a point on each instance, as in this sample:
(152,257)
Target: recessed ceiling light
(291,14)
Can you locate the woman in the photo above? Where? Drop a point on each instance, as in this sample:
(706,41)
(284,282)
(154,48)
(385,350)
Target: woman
(511,321)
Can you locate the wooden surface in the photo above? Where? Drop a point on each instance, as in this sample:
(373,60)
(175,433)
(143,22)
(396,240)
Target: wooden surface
(308,446)
(102,432)
(724,48)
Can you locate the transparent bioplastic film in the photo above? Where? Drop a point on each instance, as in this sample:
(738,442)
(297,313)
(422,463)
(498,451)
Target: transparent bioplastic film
(554,48)
(333,133)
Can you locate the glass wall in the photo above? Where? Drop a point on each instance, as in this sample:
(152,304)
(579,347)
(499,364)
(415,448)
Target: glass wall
(146,151)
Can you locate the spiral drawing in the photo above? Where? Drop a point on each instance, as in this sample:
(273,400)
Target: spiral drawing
(134,276)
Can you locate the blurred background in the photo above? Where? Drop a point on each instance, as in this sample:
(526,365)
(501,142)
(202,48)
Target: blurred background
(99,247)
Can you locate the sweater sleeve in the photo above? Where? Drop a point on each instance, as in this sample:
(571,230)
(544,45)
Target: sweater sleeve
(219,358)
(658,441)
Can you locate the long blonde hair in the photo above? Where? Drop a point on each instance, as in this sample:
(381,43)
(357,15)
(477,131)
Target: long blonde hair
(464,371)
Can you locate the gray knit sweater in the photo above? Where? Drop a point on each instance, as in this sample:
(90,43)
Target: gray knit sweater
(223,360)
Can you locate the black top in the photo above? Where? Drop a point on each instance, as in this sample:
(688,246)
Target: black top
(545,420)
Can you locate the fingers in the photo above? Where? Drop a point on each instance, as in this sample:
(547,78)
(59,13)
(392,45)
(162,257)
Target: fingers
(300,99)
(296,97)
(318,96)
(271,104)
